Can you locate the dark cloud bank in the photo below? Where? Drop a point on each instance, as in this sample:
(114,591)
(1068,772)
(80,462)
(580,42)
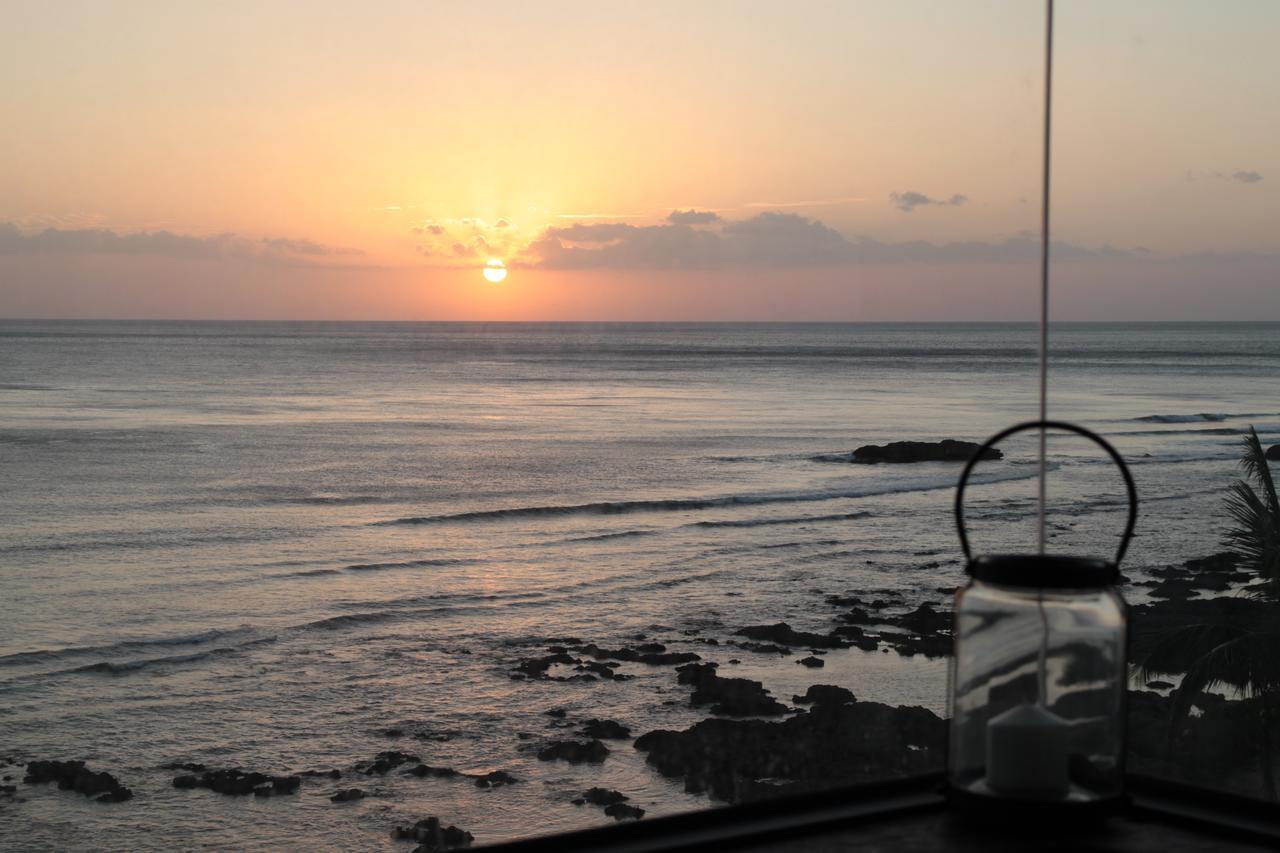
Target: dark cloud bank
(766,240)
(104,241)
(910,200)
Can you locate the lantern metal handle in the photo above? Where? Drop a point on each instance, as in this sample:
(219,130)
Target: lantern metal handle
(1059,425)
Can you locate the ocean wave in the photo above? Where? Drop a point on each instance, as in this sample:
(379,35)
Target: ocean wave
(694,504)
(409,564)
(1206,431)
(1209,417)
(38,655)
(128,666)
(621,534)
(763,522)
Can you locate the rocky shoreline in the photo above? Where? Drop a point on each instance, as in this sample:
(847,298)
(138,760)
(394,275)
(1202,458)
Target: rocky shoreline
(752,744)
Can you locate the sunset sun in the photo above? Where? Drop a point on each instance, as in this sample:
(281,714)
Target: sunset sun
(495,270)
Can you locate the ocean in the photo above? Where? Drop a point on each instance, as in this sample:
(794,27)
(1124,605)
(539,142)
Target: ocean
(263,545)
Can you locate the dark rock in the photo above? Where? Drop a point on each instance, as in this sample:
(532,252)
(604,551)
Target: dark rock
(1160,685)
(192,766)
(639,655)
(384,762)
(558,713)
(347,796)
(858,638)
(622,811)
(603,797)
(734,661)
(604,670)
(495,779)
(825,694)
(764,648)
(1174,588)
(433,837)
(537,667)
(75,776)
(392,733)
(733,697)
(574,752)
(783,634)
(947,450)
(812,662)
(925,620)
(606,729)
(1273,452)
(240,783)
(836,744)
(424,770)
(332,774)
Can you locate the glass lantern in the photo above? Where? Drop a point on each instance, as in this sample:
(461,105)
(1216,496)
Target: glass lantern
(1039,675)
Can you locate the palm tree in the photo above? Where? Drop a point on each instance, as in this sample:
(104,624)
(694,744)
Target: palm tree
(1243,657)
(1256,536)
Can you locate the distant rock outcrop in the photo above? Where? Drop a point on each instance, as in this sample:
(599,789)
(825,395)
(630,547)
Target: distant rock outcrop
(74,776)
(947,450)
(236,782)
(1273,452)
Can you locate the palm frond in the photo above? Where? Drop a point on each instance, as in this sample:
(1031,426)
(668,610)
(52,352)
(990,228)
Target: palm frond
(1179,650)
(1255,537)
(1248,663)
(1254,463)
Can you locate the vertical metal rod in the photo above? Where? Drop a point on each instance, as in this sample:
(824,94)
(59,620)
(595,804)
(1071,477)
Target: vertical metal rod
(1044,265)
(1044,336)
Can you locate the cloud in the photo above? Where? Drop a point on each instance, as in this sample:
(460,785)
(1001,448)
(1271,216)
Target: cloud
(1244,176)
(770,240)
(305,247)
(463,251)
(105,241)
(910,200)
(502,223)
(692,217)
(428,228)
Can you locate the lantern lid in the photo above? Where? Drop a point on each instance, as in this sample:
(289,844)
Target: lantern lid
(1045,571)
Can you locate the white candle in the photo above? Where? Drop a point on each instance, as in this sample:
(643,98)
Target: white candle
(1027,753)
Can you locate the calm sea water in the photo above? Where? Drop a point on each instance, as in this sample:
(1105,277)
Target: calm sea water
(259,545)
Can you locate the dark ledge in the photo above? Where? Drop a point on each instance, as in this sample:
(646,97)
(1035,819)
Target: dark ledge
(911,814)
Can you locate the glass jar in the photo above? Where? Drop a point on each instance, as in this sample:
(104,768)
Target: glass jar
(1039,675)
(1038,681)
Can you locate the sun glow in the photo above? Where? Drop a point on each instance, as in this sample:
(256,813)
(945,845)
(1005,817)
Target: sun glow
(495,270)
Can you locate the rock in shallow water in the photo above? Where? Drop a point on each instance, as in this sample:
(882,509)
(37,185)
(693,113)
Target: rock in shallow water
(606,729)
(433,837)
(947,450)
(783,634)
(825,694)
(236,782)
(574,752)
(75,776)
(495,779)
(603,797)
(347,796)
(732,697)
(622,811)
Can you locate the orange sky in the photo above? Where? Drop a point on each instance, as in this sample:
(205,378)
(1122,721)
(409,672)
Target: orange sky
(829,161)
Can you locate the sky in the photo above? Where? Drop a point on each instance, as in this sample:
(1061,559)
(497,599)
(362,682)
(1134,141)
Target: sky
(637,161)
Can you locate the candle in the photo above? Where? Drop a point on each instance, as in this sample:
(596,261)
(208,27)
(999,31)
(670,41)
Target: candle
(1027,753)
